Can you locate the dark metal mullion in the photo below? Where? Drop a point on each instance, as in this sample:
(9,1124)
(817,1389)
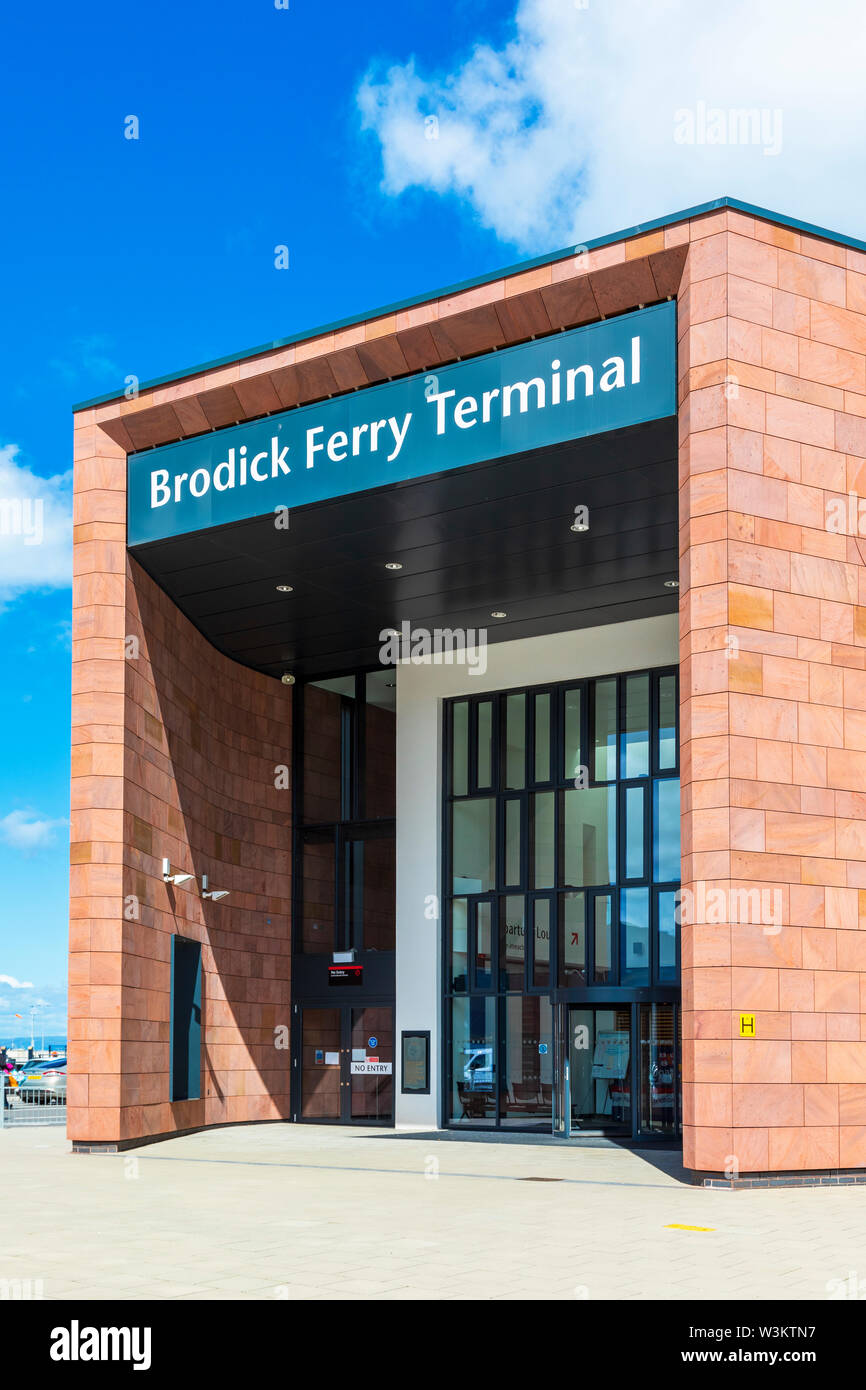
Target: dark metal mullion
(653,923)
(345,1063)
(655,705)
(589,898)
(359,760)
(446,899)
(523,811)
(297,820)
(340,934)
(529,901)
(529,759)
(359,891)
(621,688)
(557,965)
(634,1050)
(472,747)
(471,941)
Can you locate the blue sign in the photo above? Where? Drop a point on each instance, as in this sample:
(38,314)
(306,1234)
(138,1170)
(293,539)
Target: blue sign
(586,381)
(372,1042)
(542,1047)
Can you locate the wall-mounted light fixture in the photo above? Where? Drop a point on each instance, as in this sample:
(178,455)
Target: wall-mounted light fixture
(215,893)
(169,877)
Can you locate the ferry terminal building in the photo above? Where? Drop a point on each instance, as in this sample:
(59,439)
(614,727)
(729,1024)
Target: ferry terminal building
(593,864)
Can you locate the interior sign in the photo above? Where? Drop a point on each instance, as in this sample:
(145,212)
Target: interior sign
(570,385)
(345,974)
(372,1067)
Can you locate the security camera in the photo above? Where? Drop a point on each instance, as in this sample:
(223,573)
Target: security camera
(287,678)
(215,893)
(169,877)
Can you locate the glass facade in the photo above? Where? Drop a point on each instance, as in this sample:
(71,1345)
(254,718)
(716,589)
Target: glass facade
(344,882)
(346,843)
(562,855)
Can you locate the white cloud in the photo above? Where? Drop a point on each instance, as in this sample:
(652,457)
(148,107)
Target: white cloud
(567,130)
(35,528)
(28,831)
(11,981)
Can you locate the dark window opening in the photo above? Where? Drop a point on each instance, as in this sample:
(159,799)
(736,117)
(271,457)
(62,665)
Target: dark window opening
(185,1019)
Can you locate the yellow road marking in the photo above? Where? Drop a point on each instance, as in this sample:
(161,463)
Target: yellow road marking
(673,1226)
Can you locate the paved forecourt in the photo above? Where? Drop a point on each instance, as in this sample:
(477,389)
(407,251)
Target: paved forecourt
(291,1212)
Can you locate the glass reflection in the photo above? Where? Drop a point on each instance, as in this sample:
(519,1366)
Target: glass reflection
(483,945)
(473,1061)
(666,830)
(572,734)
(604,730)
(484,731)
(527,1083)
(511,942)
(634,832)
(459,945)
(657,1069)
(572,936)
(473,845)
(635,735)
(667,734)
(542,933)
(542,738)
(460,749)
(634,912)
(667,942)
(603,942)
(590,837)
(515,742)
(543,841)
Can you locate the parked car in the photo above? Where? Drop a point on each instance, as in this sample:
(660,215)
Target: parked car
(46,1086)
(22,1069)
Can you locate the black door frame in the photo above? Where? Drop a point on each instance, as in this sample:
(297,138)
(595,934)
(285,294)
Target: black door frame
(345,1008)
(634,1130)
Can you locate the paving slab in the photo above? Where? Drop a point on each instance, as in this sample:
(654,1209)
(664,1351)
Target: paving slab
(319,1212)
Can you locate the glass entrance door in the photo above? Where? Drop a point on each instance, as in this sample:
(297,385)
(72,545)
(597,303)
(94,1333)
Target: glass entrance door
(658,1070)
(347,1065)
(371,1066)
(599,1070)
(321,1065)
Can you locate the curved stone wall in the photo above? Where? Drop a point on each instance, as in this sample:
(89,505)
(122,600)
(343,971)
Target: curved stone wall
(178,752)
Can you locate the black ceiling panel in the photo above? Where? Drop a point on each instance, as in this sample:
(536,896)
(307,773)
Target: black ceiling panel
(473,540)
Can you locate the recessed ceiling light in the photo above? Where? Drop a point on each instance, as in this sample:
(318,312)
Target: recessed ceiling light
(672,583)
(393,565)
(499,613)
(579,526)
(285,589)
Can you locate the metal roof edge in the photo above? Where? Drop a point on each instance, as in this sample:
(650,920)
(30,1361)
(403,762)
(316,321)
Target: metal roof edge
(641,228)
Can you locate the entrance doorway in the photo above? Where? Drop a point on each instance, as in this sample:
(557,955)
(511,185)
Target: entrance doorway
(619,1070)
(347,1065)
(599,1070)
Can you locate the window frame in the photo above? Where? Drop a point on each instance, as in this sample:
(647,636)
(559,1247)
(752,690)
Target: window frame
(593,991)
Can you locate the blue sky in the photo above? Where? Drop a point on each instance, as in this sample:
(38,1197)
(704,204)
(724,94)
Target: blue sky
(309,127)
